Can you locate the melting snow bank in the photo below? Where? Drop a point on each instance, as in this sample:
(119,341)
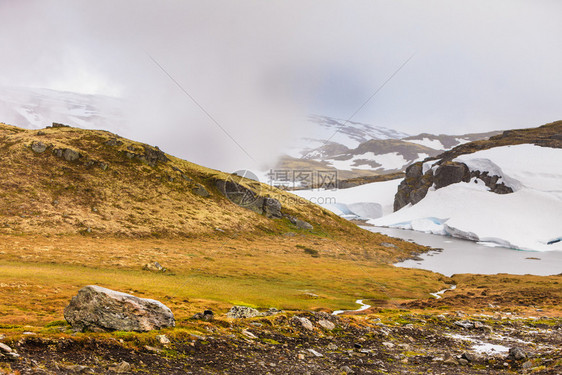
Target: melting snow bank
(440,293)
(527,219)
(367,201)
(359,302)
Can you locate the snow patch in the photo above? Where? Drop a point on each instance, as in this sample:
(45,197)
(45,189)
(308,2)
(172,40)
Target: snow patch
(431,143)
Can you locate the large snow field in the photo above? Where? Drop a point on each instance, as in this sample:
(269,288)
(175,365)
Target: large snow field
(528,219)
(365,201)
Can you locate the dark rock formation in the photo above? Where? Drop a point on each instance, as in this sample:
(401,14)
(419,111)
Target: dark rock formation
(38,147)
(199,189)
(99,309)
(301,224)
(242,312)
(114,142)
(149,155)
(415,185)
(67,154)
(272,208)
(247,198)
(206,315)
(450,173)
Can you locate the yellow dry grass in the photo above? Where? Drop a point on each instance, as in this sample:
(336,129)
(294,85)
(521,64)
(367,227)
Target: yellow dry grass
(40,274)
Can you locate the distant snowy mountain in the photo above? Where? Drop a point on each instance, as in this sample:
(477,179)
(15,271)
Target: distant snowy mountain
(36,108)
(321,131)
(356,149)
(505,191)
(444,142)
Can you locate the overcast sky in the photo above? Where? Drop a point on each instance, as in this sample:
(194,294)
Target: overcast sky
(258,66)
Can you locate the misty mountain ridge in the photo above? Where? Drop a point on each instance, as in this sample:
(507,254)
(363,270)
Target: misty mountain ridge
(321,142)
(356,149)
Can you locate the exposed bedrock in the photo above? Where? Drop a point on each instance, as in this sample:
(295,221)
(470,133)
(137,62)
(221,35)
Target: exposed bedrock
(416,184)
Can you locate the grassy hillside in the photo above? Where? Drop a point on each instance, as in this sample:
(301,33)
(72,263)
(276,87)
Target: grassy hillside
(66,180)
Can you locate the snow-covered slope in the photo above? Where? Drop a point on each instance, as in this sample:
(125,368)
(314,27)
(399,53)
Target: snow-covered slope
(361,202)
(318,131)
(529,218)
(36,108)
(444,142)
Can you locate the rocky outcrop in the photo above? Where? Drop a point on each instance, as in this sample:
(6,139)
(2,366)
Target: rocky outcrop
(450,173)
(99,309)
(242,312)
(200,190)
(414,187)
(301,224)
(149,155)
(247,198)
(245,312)
(38,147)
(416,184)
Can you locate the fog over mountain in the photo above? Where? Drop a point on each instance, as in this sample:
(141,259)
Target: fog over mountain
(258,68)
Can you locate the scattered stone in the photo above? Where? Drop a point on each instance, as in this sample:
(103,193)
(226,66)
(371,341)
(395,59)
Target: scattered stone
(200,190)
(70,155)
(300,224)
(303,322)
(5,348)
(154,267)
(326,324)
(463,362)
(315,353)
(79,369)
(58,125)
(388,344)
(38,147)
(249,334)
(122,367)
(464,324)
(271,311)
(205,315)
(347,370)
(152,349)
(470,357)
(387,244)
(242,312)
(450,360)
(300,356)
(163,339)
(527,365)
(99,309)
(113,142)
(517,354)
(2,336)
(29,333)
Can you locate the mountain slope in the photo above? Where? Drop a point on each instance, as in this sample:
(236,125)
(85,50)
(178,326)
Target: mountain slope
(63,180)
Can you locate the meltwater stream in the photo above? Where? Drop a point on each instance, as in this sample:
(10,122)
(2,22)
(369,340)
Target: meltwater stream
(462,256)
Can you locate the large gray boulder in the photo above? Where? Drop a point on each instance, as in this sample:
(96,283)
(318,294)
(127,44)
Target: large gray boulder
(99,309)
